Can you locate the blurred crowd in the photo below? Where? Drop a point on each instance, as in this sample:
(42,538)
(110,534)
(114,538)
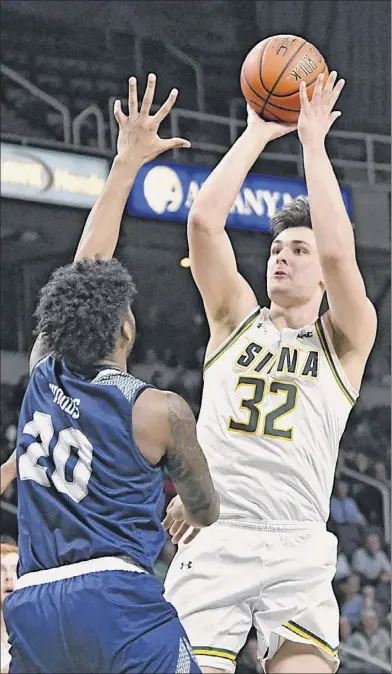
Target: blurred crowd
(363,579)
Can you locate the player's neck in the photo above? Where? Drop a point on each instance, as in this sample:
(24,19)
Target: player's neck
(294,317)
(118,361)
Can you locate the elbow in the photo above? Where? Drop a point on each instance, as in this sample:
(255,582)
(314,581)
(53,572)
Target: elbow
(199,220)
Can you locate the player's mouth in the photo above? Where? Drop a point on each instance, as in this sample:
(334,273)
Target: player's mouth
(280,274)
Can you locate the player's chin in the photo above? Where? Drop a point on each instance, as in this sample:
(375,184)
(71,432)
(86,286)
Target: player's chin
(279,286)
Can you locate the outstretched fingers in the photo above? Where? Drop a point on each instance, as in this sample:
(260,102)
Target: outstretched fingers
(132,98)
(148,95)
(318,91)
(120,117)
(172,143)
(335,93)
(166,107)
(303,97)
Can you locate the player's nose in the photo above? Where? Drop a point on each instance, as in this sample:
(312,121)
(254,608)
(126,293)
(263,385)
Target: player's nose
(282,257)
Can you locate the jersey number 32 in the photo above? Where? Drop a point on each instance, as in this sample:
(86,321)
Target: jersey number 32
(270,426)
(41,428)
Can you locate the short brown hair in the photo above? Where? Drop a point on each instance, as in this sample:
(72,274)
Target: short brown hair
(8,549)
(294,214)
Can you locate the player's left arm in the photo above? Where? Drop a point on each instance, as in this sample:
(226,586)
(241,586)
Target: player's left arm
(7,472)
(352,315)
(138,143)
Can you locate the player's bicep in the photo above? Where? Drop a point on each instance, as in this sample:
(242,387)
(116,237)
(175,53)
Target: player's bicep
(350,310)
(227,297)
(187,464)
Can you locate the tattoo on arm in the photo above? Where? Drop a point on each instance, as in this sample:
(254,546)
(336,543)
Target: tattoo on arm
(185,459)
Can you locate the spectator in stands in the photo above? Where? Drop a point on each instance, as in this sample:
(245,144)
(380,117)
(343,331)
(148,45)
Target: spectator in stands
(371,562)
(353,601)
(374,641)
(363,463)
(343,568)
(9,560)
(344,508)
(380,472)
(348,664)
(369,595)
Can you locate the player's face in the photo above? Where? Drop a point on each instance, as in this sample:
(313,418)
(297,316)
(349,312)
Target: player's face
(8,574)
(294,272)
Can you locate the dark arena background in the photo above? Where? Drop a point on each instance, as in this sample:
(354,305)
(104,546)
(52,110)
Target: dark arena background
(62,66)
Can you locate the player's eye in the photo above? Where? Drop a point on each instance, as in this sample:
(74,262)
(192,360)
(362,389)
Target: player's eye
(300,251)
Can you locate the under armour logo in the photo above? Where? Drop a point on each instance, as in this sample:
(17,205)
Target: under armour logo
(186,565)
(304,334)
(261,325)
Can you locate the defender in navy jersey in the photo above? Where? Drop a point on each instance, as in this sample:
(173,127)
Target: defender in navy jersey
(92,440)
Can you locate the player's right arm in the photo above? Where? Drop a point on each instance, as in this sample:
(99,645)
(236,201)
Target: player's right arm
(164,426)
(227,297)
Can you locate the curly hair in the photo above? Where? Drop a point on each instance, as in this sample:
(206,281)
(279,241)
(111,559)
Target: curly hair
(82,308)
(294,214)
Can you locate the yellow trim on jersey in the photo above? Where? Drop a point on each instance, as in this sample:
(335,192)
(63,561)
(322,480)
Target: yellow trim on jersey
(327,353)
(306,634)
(215,652)
(235,335)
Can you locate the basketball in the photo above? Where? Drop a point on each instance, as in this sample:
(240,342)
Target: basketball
(272,72)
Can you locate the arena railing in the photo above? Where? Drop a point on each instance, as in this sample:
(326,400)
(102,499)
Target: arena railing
(80,119)
(42,96)
(369,659)
(382,488)
(372,172)
(365,141)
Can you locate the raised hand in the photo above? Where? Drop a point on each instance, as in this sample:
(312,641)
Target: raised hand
(270,129)
(138,138)
(175,522)
(317,116)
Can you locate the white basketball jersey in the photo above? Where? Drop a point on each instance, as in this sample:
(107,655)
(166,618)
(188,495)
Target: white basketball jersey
(275,405)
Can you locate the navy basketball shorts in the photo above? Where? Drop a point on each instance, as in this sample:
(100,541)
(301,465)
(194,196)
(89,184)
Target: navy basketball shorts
(97,622)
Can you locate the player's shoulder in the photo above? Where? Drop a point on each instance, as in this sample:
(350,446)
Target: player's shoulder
(124,382)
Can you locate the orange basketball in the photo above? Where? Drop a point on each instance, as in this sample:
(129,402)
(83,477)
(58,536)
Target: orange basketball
(272,72)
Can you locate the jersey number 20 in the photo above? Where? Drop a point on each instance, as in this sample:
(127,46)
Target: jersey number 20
(41,427)
(253,403)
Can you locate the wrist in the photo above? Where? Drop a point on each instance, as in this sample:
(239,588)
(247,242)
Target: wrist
(126,169)
(314,146)
(260,135)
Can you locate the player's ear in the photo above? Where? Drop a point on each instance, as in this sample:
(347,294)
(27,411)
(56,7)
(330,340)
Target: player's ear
(127,330)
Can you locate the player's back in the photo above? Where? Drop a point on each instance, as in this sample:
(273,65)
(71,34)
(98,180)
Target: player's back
(84,489)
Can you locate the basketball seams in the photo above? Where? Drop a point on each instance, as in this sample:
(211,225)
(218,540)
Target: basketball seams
(274,105)
(261,64)
(308,84)
(281,73)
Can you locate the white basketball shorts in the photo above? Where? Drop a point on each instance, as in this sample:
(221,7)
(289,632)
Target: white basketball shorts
(274,576)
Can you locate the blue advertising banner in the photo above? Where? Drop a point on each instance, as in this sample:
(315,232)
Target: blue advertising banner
(166,191)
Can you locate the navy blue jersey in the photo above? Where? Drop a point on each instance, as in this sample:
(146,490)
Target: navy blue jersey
(84,488)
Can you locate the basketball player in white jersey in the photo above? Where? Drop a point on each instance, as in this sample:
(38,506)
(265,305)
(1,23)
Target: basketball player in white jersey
(279,385)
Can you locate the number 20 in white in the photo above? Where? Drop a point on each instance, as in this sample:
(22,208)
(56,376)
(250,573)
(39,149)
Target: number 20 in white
(29,469)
